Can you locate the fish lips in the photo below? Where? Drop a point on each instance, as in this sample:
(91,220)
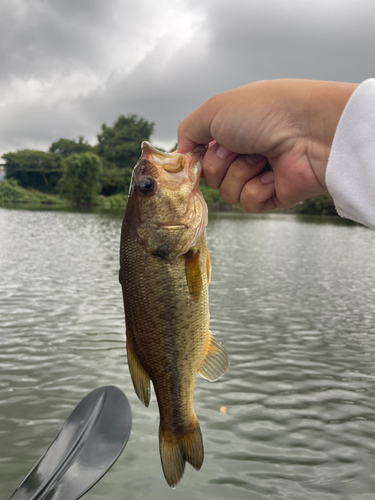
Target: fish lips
(173,163)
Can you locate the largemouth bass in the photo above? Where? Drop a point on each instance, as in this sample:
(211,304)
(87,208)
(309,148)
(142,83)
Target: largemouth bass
(165,272)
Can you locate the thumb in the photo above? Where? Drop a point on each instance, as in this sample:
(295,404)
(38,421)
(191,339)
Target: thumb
(195,129)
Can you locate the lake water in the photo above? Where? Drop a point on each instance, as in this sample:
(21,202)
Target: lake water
(292,300)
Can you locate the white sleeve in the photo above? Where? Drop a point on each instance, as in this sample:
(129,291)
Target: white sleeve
(350,175)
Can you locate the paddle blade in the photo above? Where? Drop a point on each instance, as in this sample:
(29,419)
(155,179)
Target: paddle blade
(87,446)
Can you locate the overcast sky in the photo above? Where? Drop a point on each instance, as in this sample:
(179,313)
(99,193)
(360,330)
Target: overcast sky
(67,66)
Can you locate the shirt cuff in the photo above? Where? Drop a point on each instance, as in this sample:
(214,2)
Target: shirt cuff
(350,174)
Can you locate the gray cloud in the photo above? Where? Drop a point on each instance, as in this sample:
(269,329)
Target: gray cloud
(67,67)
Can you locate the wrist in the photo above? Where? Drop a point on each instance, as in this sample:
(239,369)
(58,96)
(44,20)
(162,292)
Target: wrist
(328,101)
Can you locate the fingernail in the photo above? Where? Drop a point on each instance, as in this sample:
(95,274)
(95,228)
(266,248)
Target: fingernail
(223,153)
(268,177)
(254,159)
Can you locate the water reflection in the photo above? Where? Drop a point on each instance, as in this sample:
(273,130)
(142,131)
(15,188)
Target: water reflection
(291,299)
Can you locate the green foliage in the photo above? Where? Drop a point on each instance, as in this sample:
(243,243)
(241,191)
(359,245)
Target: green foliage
(11,192)
(320,205)
(115,180)
(120,147)
(33,169)
(67,147)
(113,201)
(80,181)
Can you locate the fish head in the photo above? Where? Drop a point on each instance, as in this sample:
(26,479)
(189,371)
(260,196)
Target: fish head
(167,208)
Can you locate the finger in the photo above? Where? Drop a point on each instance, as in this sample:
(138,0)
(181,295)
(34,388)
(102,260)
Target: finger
(186,145)
(242,170)
(210,145)
(216,162)
(195,129)
(258,194)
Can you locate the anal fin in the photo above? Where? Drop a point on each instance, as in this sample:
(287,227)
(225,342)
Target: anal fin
(215,362)
(141,381)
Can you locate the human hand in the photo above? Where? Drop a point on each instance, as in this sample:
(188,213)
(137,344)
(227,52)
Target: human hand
(288,123)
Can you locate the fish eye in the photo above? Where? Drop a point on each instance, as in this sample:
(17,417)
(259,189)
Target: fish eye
(146,185)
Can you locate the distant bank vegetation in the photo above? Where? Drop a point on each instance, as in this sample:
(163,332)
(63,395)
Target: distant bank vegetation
(78,173)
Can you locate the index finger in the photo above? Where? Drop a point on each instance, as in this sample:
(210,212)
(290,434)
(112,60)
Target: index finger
(195,129)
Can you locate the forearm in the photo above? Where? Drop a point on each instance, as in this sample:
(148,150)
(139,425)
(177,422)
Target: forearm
(326,103)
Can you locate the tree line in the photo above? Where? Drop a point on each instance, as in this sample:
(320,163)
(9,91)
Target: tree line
(79,171)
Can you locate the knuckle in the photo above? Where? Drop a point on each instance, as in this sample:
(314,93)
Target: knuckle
(214,100)
(239,171)
(210,169)
(226,195)
(180,128)
(251,207)
(249,199)
(249,191)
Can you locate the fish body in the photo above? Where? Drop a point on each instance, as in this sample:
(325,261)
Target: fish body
(164,272)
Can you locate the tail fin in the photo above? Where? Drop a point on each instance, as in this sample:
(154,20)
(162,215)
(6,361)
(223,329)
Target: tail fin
(176,450)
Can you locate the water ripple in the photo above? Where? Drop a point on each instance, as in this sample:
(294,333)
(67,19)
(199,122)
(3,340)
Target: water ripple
(291,301)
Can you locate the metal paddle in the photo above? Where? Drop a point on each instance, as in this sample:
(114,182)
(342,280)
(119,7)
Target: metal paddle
(87,446)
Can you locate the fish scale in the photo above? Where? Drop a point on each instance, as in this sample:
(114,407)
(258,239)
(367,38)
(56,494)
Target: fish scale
(164,275)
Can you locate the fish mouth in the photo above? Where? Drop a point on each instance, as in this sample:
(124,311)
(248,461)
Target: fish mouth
(181,223)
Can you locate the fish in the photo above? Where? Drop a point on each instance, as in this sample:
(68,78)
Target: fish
(165,270)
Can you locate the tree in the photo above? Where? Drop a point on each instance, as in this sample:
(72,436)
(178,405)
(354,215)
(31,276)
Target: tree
(120,147)
(67,147)
(33,169)
(80,181)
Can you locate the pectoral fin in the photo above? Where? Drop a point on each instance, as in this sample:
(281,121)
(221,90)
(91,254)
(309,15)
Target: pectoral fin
(215,362)
(141,380)
(193,274)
